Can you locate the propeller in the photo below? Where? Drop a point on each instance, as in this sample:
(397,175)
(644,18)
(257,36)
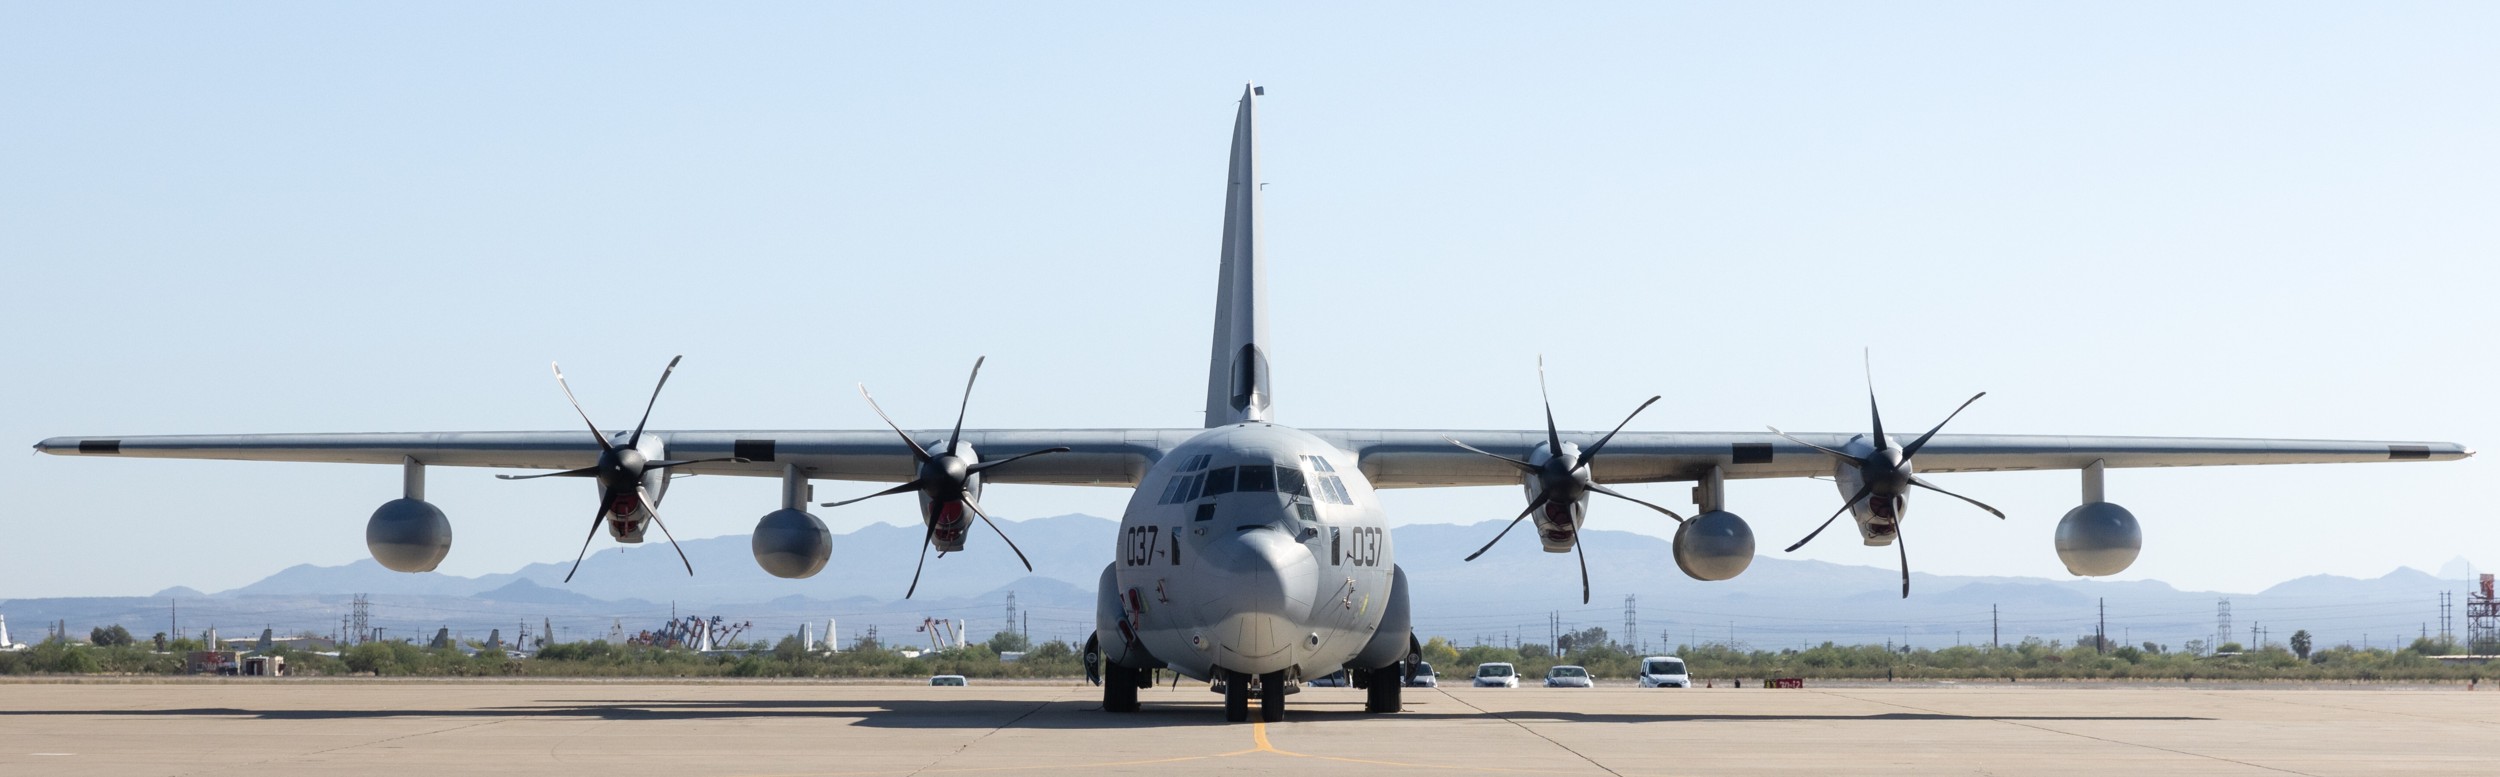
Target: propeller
(620,470)
(1887,475)
(1564,476)
(945,477)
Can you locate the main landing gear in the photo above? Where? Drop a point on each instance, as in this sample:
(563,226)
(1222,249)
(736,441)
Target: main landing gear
(1385,693)
(1119,687)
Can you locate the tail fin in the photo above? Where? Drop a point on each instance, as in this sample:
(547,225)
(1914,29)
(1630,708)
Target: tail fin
(1237,381)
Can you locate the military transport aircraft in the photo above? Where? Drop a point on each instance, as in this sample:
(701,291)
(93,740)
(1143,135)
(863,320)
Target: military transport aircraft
(1252,554)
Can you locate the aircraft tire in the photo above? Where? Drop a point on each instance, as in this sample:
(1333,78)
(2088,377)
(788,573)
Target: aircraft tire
(1119,688)
(1385,694)
(1236,696)
(1272,697)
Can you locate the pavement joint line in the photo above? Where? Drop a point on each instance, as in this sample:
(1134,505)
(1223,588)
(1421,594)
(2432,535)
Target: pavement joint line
(1531,731)
(986,734)
(2366,710)
(295,756)
(2080,735)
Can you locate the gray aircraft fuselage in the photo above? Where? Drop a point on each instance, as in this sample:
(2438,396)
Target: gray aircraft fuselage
(1254,548)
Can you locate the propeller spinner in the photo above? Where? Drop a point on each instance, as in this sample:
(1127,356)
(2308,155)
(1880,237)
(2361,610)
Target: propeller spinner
(620,471)
(945,479)
(1887,476)
(1563,478)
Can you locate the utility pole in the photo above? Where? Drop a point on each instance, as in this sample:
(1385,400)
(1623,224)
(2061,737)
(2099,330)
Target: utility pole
(2100,633)
(1992,627)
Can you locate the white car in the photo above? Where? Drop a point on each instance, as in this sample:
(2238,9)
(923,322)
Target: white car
(1424,678)
(955,680)
(1496,675)
(1664,672)
(1568,676)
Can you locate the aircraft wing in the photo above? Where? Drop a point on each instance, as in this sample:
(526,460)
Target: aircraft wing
(1097,457)
(1419,459)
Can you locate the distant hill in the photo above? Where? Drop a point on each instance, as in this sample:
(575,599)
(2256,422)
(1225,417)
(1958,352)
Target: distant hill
(1507,594)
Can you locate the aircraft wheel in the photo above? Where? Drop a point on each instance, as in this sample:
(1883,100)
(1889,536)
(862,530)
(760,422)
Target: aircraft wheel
(1385,695)
(1236,696)
(1119,688)
(1272,697)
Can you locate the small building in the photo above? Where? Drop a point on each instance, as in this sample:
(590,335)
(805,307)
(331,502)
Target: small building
(264,666)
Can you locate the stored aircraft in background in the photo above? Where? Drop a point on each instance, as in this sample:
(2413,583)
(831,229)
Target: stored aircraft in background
(1252,554)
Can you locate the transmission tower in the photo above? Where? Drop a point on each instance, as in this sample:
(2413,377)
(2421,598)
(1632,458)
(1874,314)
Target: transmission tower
(361,618)
(2445,634)
(2222,623)
(1632,622)
(1011,612)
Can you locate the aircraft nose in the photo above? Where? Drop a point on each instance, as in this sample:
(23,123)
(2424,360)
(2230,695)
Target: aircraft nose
(1269,582)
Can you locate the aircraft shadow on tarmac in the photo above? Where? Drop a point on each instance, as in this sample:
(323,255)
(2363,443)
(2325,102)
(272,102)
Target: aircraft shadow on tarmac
(988,713)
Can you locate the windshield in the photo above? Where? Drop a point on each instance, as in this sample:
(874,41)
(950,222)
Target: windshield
(1570,671)
(1493,670)
(1666,667)
(1423,670)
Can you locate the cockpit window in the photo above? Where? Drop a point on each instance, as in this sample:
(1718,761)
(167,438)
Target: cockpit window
(1219,481)
(1289,481)
(1257,478)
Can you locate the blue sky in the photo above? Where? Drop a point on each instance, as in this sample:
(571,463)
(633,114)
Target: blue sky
(2259,219)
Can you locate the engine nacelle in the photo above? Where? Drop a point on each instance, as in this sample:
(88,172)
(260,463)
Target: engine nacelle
(2098,538)
(1714,545)
(791,543)
(408,535)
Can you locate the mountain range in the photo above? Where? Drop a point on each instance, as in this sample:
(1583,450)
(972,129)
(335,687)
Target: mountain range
(1515,593)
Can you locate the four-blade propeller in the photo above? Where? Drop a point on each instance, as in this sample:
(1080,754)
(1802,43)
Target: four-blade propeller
(945,478)
(619,472)
(1563,479)
(1887,476)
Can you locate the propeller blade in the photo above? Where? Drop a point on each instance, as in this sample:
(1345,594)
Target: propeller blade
(655,401)
(1602,489)
(1922,483)
(1523,466)
(1576,546)
(1827,522)
(986,465)
(595,519)
(925,539)
(954,441)
(595,434)
(1835,454)
(570,473)
(1591,453)
(1002,534)
(906,487)
(1533,504)
(1921,442)
(667,463)
(1881,442)
(1553,437)
(1905,559)
(922,453)
(654,510)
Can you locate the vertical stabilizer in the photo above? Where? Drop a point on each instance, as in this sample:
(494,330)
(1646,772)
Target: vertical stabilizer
(1237,380)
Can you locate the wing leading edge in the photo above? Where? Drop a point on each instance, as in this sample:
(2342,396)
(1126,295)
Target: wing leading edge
(1096,457)
(1421,459)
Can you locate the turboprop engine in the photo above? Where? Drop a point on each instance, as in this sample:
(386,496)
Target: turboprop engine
(408,535)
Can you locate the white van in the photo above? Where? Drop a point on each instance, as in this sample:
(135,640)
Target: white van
(1496,675)
(1664,672)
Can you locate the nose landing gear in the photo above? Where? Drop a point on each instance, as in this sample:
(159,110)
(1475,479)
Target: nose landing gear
(1239,686)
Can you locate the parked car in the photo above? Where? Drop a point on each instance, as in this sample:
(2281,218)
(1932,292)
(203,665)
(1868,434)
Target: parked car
(1496,675)
(1664,672)
(1424,678)
(1337,679)
(1568,676)
(947,679)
